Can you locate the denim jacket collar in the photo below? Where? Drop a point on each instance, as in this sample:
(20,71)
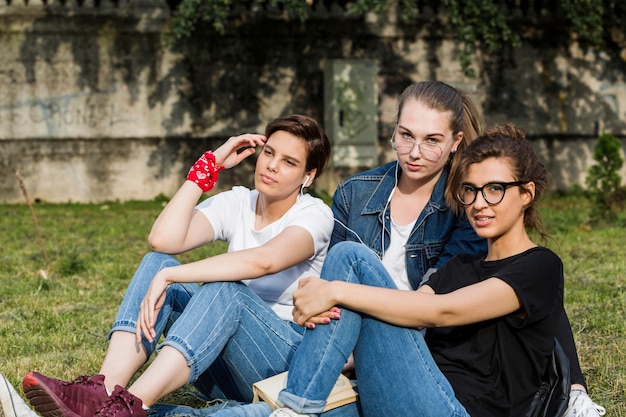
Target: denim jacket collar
(380,197)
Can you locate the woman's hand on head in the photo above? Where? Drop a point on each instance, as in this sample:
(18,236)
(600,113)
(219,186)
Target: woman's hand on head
(314,303)
(227,155)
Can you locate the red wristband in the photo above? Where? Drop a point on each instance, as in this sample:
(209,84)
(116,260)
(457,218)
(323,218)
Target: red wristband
(204,172)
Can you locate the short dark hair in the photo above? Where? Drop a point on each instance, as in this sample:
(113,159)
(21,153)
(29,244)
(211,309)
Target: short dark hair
(309,130)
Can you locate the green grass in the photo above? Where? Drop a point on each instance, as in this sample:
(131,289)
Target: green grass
(58,323)
(595,295)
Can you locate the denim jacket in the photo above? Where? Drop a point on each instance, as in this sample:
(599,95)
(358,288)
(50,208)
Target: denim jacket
(361,203)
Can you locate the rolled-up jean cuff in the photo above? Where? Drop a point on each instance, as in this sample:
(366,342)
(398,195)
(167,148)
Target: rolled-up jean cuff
(301,405)
(131,327)
(194,372)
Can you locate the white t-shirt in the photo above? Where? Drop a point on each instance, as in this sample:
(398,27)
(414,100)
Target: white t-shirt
(394,258)
(232,216)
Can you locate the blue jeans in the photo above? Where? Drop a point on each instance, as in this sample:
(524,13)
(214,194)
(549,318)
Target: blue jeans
(229,336)
(224,409)
(235,409)
(396,373)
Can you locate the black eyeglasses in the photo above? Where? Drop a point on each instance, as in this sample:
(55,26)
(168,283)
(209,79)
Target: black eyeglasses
(493,192)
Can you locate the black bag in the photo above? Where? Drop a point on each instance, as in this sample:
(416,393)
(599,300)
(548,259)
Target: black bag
(552,398)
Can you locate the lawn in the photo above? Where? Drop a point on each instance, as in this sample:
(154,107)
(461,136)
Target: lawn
(59,293)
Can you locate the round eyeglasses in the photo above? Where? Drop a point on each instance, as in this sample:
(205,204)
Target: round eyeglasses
(429,151)
(493,192)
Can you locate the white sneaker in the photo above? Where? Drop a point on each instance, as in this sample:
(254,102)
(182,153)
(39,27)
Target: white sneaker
(286,412)
(12,405)
(580,405)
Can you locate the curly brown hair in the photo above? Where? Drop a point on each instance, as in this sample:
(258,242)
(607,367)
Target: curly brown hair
(505,141)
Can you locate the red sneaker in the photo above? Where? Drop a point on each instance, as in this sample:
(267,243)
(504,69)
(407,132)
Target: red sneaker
(121,403)
(56,398)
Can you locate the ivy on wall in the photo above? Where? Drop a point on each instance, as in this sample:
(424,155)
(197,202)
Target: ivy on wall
(474,24)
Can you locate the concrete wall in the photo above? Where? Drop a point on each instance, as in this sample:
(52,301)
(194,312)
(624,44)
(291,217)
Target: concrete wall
(93,108)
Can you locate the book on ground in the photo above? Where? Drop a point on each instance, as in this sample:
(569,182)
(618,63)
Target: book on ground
(267,390)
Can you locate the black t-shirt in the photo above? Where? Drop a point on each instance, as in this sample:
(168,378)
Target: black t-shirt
(495,367)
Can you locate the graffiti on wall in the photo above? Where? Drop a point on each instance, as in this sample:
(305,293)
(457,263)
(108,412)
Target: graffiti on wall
(614,94)
(78,114)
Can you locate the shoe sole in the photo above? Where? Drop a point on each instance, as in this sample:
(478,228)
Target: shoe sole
(44,401)
(11,403)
